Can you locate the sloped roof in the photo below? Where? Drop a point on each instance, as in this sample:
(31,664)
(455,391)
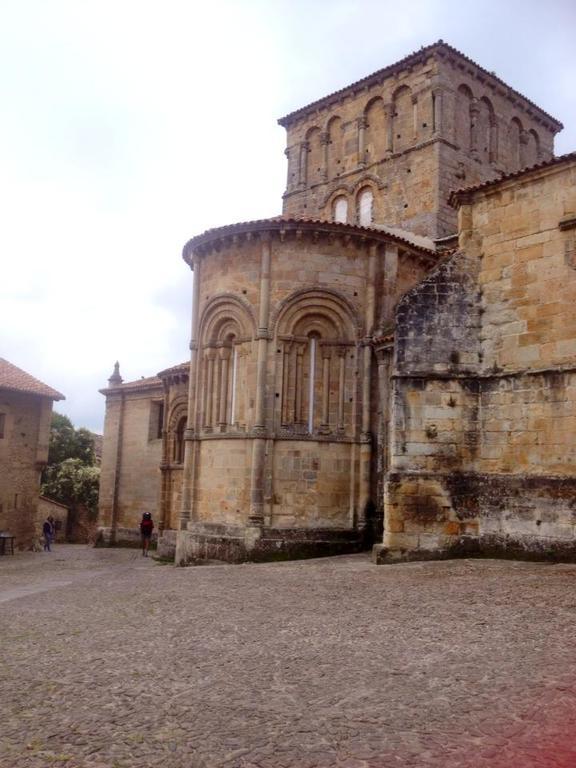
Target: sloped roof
(288,223)
(411,60)
(180,368)
(458,196)
(17,380)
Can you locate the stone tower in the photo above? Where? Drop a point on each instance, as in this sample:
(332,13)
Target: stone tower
(388,149)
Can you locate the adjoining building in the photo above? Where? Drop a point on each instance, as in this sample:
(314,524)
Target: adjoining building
(25,416)
(354,362)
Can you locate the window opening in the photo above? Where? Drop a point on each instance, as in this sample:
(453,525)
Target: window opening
(313,343)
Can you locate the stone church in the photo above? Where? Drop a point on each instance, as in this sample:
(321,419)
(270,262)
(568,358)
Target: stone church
(389,363)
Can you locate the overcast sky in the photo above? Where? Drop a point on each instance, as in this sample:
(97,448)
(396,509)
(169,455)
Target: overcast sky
(128,126)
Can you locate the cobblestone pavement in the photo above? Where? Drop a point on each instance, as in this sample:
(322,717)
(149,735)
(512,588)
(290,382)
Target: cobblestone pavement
(110,660)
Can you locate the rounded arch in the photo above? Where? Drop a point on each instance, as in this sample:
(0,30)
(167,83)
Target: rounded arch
(178,409)
(463,118)
(365,206)
(325,307)
(515,132)
(226,315)
(314,157)
(335,153)
(532,148)
(402,118)
(375,130)
(486,130)
(339,208)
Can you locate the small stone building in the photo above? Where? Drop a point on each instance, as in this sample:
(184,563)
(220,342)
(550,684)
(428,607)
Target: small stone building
(25,416)
(290,431)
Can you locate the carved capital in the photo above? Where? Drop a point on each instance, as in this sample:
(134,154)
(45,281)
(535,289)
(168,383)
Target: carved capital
(324,138)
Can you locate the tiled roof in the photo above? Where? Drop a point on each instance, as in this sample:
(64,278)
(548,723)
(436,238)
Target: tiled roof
(143,383)
(279,223)
(458,196)
(17,380)
(411,60)
(180,368)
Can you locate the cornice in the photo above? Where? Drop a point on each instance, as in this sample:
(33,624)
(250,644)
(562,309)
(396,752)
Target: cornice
(418,58)
(282,227)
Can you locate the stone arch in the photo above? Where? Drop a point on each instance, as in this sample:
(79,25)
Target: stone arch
(176,423)
(226,314)
(486,130)
(375,130)
(365,206)
(402,118)
(314,330)
(335,150)
(314,158)
(515,133)
(462,117)
(532,148)
(337,306)
(227,326)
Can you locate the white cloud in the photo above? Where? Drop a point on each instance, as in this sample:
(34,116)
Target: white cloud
(128,126)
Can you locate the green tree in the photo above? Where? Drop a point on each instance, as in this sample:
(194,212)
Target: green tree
(69,443)
(71,476)
(73,483)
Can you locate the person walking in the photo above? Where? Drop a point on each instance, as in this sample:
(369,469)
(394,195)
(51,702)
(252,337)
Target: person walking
(146,528)
(47,534)
(52,529)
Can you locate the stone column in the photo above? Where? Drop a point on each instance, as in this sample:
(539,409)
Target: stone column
(389,112)
(256,514)
(341,386)
(285,410)
(165,465)
(324,143)
(303,163)
(365,436)
(384,356)
(223,404)
(190,436)
(415,115)
(298,379)
(493,139)
(116,497)
(474,114)
(390,279)
(289,170)
(437,111)
(209,359)
(326,358)
(362,124)
(522,149)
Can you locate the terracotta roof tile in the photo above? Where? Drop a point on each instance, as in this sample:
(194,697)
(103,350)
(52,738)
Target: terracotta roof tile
(180,368)
(276,222)
(407,61)
(17,380)
(457,196)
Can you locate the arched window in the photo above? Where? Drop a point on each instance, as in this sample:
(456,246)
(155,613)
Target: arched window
(312,354)
(365,203)
(179,441)
(340,209)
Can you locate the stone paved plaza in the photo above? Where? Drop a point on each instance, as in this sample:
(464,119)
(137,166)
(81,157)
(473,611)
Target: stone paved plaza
(109,660)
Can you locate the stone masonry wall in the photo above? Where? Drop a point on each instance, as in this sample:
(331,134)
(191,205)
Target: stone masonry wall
(138,473)
(23,450)
(439,124)
(500,476)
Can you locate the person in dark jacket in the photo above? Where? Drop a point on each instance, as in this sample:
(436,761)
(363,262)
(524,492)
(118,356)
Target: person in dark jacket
(146,528)
(47,534)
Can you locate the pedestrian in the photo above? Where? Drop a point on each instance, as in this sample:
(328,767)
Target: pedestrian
(146,528)
(52,529)
(47,534)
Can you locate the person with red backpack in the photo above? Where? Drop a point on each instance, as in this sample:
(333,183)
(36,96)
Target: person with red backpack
(146,528)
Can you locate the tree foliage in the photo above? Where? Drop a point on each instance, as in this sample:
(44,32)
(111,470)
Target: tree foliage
(73,483)
(71,476)
(69,443)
